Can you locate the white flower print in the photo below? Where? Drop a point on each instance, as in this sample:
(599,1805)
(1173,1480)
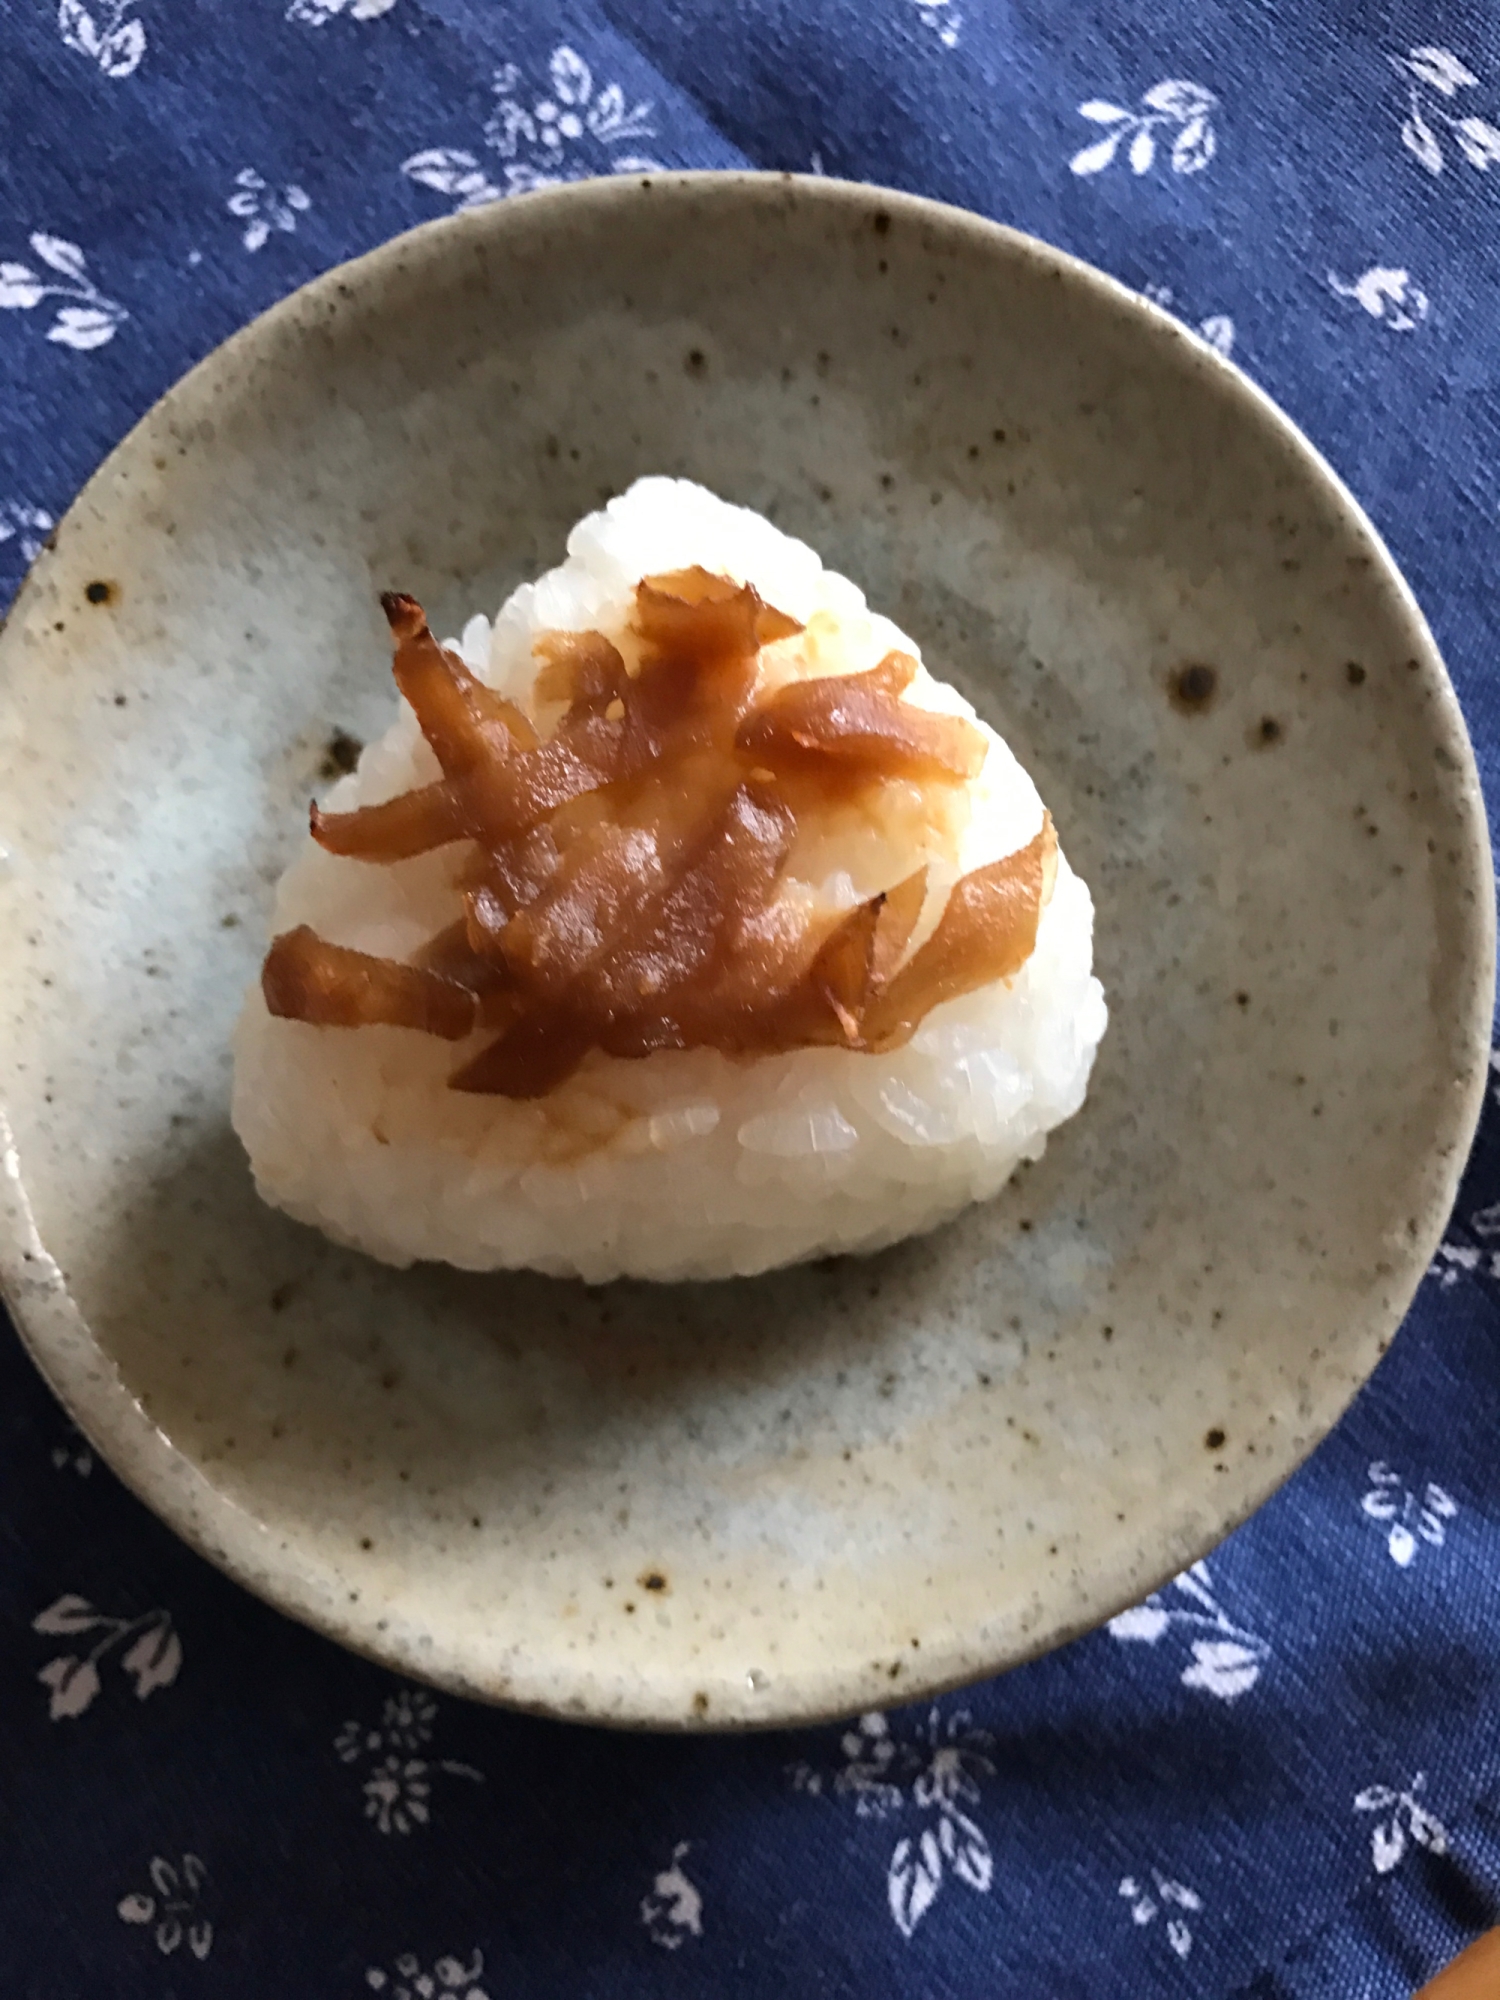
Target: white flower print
(172,1906)
(313,13)
(114,41)
(1183,109)
(409,1979)
(1433,79)
(673,1911)
(943,18)
(1217,329)
(1452,1261)
(89,320)
(1409,1521)
(262,209)
(28,527)
(1387,294)
(398,1784)
(152,1661)
(1225,1660)
(1403,1818)
(565,133)
(1163,1895)
(942,1766)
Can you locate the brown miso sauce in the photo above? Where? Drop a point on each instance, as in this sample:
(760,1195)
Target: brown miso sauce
(622,889)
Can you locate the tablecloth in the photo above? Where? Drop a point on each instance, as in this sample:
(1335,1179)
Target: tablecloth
(1278,1777)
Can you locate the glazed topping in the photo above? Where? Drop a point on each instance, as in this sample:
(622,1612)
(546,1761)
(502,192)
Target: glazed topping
(623,889)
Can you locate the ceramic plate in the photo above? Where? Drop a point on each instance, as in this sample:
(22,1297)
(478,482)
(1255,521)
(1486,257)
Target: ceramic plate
(846,1484)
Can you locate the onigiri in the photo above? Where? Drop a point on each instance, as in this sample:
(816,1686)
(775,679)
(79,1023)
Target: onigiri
(681,925)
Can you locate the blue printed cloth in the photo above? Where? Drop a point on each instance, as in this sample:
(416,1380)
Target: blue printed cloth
(1281,1776)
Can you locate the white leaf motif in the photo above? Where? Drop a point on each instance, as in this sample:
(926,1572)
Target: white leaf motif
(967,1851)
(1094,159)
(1142,1621)
(1222,1667)
(571,76)
(1426,1831)
(1381,1506)
(912,1881)
(1180,1894)
(1374,1798)
(1194,146)
(1099,111)
(120,53)
(1177,98)
(1418,138)
(1179,1937)
(442,168)
(78,29)
(73,1682)
(70,1613)
(371,10)
(1402,1544)
(20,287)
(1387,293)
(1142,151)
(1387,1845)
(1480,142)
(82,327)
(1441,68)
(61,255)
(155,1659)
(1218,331)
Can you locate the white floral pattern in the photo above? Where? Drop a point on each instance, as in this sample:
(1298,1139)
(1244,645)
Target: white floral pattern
(172,1906)
(1174,109)
(1163,1896)
(943,18)
(885,1775)
(1217,329)
(409,1979)
(1452,1261)
(1408,1520)
(1387,293)
(113,39)
(398,1781)
(29,528)
(672,1911)
(153,1660)
(261,208)
(564,133)
(1224,1659)
(313,13)
(1433,78)
(1403,1821)
(88,319)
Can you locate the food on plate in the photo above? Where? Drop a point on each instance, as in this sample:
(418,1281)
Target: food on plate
(681,925)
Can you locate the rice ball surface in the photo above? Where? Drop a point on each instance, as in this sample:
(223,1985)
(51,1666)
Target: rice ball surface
(683,1163)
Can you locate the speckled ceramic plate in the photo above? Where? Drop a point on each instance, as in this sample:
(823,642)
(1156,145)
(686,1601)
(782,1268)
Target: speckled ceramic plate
(788,1497)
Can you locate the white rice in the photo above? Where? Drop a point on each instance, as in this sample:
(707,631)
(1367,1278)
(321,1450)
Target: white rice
(685,1164)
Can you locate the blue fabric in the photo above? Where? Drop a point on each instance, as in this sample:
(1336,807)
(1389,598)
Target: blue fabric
(1281,1777)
